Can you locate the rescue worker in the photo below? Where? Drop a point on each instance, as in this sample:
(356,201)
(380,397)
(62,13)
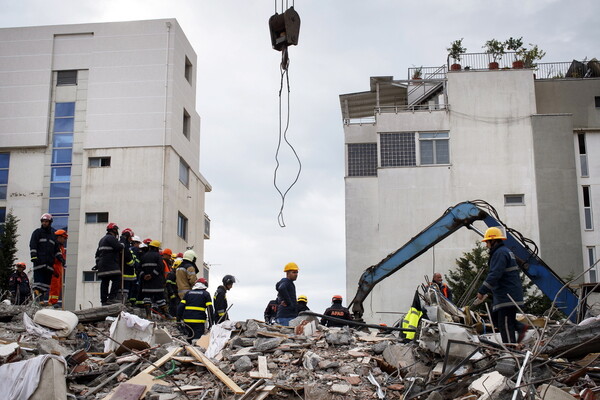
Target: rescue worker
(287,307)
(220,299)
(18,284)
(302,303)
(186,274)
(108,263)
(57,278)
(171,287)
(503,279)
(129,261)
(43,249)
(195,309)
(167,260)
(153,289)
(336,310)
(134,289)
(270,312)
(439,285)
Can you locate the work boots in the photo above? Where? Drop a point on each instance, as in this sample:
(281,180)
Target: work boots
(165,311)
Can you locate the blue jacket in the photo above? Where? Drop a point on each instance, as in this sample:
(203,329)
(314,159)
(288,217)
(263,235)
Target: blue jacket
(286,299)
(503,278)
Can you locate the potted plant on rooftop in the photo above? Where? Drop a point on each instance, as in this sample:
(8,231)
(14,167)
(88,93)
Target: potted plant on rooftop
(529,56)
(515,45)
(418,73)
(455,51)
(495,49)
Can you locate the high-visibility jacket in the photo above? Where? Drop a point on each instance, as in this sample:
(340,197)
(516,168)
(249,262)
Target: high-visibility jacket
(152,266)
(108,256)
(57,281)
(195,307)
(220,302)
(43,248)
(412,317)
(186,277)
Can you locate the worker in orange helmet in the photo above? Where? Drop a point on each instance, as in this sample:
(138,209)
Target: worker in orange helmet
(336,310)
(57,277)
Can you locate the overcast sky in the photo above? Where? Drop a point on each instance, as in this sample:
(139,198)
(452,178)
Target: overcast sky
(342,43)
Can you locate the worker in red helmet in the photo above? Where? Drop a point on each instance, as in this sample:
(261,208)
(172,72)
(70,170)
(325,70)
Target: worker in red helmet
(108,263)
(44,250)
(336,310)
(18,284)
(57,277)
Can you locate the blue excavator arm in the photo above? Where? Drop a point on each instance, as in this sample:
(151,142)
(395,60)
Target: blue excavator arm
(459,216)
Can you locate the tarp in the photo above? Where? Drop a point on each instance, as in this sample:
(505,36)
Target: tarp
(21,379)
(127,327)
(63,322)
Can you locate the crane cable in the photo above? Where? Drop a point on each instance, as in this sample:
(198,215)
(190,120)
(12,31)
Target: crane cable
(283,67)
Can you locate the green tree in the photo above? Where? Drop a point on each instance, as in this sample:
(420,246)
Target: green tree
(8,249)
(467,268)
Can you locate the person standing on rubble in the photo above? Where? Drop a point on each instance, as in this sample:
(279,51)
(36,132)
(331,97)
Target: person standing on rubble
(129,275)
(18,284)
(59,268)
(220,299)
(336,310)
(186,273)
(287,306)
(439,285)
(153,276)
(270,312)
(504,282)
(302,303)
(108,263)
(195,309)
(43,249)
(171,287)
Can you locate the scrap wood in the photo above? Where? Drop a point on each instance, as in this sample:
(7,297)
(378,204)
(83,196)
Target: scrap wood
(252,389)
(263,370)
(272,334)
(163,360)
(215,370)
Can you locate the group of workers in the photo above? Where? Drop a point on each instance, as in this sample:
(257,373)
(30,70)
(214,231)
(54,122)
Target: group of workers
(140,273)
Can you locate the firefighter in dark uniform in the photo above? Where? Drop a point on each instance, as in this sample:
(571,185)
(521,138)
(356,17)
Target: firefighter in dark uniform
(44,249)
(220,299)
(172,295)
(18,284)
(336,310)
(195,309)
(153,278)
(129,275)
(108,264)
(271,312)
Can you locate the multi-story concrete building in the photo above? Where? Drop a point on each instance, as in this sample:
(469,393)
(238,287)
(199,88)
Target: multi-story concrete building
(525,140)
(98,124)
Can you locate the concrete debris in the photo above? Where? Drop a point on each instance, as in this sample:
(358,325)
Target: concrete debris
(252,360)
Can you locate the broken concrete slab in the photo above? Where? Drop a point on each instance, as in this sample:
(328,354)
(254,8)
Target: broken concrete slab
(399,355)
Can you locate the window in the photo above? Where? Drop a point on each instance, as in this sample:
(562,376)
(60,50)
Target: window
(597,101)
(591,261)
(362,159)
(206,227)
(64,78)
(4,164)
(184,172)
(188,70)
(186,124)
(398,149)
(583,161)
(182,223)
(97,162)
(94,218)
(434,148)
(62,157)
(514,199)
(587,208)
(90,276)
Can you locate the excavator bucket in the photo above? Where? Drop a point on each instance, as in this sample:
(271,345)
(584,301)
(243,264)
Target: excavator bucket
(285,29)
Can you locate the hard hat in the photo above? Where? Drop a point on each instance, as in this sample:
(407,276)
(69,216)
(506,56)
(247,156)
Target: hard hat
(492,233)
(202,280)
(336,297)
(136,239)
(62,232)
(190,255)
(127,231)
(173,256)
(167,251)
(147,241)
(112,227)
(228,279)
(290,267)
(20,265)
(179,255)
(303,298)
(154,243)
(46,217)
(177,263)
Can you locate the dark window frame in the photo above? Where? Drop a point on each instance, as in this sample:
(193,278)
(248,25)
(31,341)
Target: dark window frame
(103,162)
(182,226)
(187,124)
(66,77)
(96,217)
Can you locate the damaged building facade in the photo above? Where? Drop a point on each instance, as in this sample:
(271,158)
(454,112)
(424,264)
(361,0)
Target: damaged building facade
(525,140)
(98,124)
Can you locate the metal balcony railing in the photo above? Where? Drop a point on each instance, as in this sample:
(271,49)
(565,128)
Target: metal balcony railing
(568,70)
(427,72)
(414,107)
(481,61)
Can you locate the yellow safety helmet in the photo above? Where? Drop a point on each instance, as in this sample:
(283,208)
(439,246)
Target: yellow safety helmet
(177,262)
(154,243)
(303,298)
(493,233)
(292,266)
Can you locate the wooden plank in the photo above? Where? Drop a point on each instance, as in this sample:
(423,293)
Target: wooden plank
(163,360)
(215,370)
(263,371)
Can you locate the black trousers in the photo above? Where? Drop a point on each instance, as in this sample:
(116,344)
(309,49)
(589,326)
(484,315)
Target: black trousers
(507,323)
(105,294)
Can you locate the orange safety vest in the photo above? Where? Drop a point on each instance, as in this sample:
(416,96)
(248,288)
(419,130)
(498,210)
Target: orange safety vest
(57,281)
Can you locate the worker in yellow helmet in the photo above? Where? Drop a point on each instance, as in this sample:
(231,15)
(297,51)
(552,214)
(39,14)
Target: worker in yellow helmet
(303,303)
(504,282)
(287,308)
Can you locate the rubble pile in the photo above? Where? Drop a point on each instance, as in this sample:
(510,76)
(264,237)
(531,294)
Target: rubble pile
(113,354)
